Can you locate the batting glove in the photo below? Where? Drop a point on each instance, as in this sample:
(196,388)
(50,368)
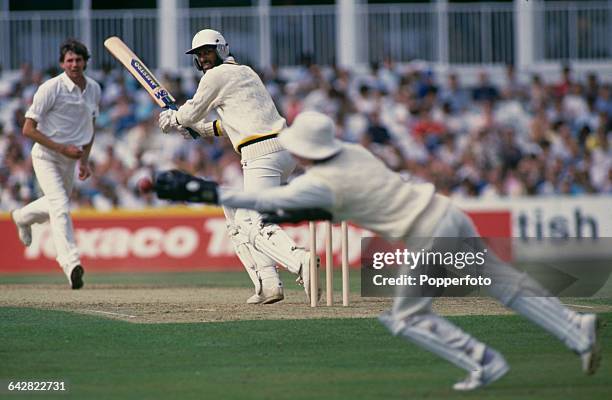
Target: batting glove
(168,121)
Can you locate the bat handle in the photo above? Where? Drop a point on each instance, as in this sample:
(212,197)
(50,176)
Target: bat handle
(193,133)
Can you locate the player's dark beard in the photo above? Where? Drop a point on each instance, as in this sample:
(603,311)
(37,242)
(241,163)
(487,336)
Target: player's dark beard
(218,61)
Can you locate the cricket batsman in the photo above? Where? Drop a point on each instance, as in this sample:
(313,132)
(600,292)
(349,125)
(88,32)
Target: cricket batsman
(353,185)
(249,118)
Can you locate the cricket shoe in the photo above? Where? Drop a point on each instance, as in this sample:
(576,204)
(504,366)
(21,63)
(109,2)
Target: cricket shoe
(271,285)
(304,276)
(255,299)
(591,326)
(75,276)
(272,295)
(494,369)
(24,231)
(270,298)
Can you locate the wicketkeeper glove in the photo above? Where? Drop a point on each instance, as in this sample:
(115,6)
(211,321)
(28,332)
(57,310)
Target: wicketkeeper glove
(295,216)
(178,186)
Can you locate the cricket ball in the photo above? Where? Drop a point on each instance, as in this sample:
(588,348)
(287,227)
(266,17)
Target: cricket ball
(145,185)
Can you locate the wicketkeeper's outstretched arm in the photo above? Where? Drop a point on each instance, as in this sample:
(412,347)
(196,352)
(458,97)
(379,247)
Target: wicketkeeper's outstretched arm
(293,203)
(294,216)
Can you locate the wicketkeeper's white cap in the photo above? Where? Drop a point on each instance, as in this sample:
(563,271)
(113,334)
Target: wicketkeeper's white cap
(311,136)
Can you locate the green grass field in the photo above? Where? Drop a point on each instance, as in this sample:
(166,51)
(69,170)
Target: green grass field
(331,359)
(290,359)
(228,279)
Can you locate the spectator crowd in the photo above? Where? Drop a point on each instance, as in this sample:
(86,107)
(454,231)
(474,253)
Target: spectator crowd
(485,140)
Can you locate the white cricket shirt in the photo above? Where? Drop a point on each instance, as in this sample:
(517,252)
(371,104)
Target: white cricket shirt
(354,186)
(241,100)
(63,112)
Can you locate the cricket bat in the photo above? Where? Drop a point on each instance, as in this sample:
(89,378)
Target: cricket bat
(139,70)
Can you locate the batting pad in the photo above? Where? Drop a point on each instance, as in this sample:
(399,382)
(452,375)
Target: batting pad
(440,337)
(550,314)
(276,244)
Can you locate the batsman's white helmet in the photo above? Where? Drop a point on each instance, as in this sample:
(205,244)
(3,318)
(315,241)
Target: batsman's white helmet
(209,37)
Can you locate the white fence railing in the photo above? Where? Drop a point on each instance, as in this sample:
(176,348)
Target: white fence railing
(295,33)
(35,37)
(136,27)
(239,25)
(573,30)
(476,33)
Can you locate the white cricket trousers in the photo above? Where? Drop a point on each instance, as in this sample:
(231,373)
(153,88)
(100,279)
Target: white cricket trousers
(55,175)
(266,171)
(413,318)
(272,244)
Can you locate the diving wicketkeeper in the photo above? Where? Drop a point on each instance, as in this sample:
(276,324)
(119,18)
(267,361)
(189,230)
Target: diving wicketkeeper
(353,185)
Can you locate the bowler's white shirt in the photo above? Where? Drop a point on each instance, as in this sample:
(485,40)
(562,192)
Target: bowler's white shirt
(63,112)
